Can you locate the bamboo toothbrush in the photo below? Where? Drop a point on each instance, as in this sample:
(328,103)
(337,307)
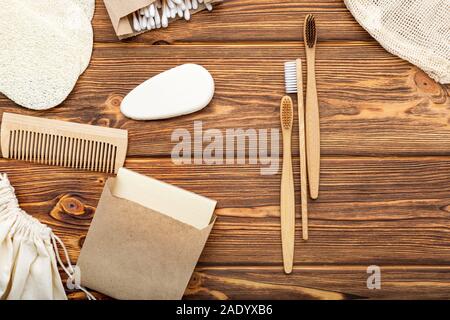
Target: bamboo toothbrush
(287,196)
(294,84)
(312,108)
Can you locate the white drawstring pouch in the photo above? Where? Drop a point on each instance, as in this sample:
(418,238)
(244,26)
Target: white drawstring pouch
(415,30)
(28,254)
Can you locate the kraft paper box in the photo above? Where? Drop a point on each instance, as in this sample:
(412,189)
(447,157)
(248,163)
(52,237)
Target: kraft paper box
(135,252)
(120,14)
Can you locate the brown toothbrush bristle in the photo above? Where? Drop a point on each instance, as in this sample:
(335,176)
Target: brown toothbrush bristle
(286,112)
(310,30)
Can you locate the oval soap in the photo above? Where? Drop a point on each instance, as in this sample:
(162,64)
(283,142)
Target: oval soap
(182,90)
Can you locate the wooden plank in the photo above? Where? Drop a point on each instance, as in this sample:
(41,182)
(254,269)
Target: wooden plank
(371,102)
(313,282)
(247,20)
(318,282)
(391,211)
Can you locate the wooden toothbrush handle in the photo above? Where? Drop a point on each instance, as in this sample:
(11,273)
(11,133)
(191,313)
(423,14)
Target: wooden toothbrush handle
(312,127)
(287,205)
(302,142)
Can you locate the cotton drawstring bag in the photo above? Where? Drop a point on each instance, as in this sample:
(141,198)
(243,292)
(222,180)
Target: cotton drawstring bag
(415,30)
(28,254)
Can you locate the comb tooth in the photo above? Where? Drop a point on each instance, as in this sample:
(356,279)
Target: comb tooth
(34,148)
(51,153)
(53,147)
(19,145)
(97,155)
(37,150)
(11,142)
(85,153)
(63,151)
(69,152)
(22,144)
(66,151)
(76,148)
(90,155)
(25,146)
(109,166)
(83,150)
(102,168)
(60,151)
(105,157)
(70,156)
(44,149)
(13,147)
(11,139)
(29,145)
(16,145)
(114,159)
(47,149)
(100,156)
(93,156)
(39,156)
(55,150)
(76,153)
(80,154)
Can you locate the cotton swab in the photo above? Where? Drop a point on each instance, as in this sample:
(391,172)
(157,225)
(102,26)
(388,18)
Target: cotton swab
(162,12)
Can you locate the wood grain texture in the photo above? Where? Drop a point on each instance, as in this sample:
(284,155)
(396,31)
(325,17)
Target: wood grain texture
(385,183)
(355,226)
(371,103)
(249,20)
(357,220)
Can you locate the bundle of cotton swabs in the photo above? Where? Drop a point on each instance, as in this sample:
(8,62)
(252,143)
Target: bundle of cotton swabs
(159,14)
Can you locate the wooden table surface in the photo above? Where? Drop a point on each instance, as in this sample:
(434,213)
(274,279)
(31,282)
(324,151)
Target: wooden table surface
(385,188)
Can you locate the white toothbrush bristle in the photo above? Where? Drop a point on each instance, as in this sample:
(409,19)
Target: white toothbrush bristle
(290,76)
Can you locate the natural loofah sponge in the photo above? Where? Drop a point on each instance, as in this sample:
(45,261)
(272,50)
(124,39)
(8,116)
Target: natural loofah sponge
(88,7)
(44,56)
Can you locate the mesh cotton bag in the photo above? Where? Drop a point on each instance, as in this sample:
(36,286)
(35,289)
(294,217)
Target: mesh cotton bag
(28,254)
(415,30)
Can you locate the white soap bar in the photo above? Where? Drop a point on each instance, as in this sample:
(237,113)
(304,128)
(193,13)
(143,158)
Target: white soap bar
(164,198)
(182,90)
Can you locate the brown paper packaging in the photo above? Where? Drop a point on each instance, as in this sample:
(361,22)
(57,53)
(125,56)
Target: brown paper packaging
(119,12)
(135,253)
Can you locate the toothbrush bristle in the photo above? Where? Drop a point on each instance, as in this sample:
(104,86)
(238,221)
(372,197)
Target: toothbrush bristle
(287,113)
(290,76)
(310,30)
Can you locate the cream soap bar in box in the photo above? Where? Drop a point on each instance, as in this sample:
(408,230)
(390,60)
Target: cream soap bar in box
(145,238)
(164,198)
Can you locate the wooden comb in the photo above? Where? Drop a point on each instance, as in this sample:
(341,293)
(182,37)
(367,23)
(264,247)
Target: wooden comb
(61,143)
